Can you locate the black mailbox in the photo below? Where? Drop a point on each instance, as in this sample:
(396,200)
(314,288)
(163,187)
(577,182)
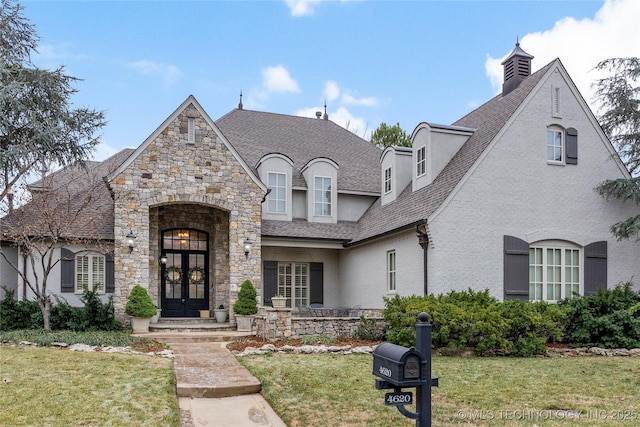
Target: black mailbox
(397,365)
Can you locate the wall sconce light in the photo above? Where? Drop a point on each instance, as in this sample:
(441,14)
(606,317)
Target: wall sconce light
(247,247)
(163,259)
(130,238)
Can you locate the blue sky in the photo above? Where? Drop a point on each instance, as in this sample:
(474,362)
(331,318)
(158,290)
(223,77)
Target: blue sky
(372,61)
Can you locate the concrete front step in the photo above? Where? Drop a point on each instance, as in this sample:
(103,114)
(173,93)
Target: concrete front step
(210,370)
(172,337)
(191,327)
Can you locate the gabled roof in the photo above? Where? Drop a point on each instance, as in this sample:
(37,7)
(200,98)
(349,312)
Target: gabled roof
(65,191)
(255,134)
(191,100)
(412,208)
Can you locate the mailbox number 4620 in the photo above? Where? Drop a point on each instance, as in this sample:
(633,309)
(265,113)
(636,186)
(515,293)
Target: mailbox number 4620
(398,398)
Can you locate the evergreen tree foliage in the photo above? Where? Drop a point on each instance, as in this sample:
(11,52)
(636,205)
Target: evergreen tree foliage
(619,94)
(385,136)
(246,304)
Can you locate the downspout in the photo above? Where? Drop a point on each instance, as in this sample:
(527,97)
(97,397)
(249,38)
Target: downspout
(423,241)
(24,272)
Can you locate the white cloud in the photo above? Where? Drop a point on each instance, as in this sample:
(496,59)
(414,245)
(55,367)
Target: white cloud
(167,72)
(365,102)
(331,91)
(580,45)
(341,117)
(278,79)
(302,7)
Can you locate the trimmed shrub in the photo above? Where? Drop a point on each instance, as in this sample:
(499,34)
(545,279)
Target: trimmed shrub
(18,314)
(609,319)
(139,303)
(246,304)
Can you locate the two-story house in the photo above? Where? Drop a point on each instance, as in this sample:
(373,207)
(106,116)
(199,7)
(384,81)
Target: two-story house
(501,199)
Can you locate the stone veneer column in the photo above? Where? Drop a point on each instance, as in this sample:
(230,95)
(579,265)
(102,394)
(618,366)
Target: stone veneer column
(166,171)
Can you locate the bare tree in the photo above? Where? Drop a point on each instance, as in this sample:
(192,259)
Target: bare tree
(71,206)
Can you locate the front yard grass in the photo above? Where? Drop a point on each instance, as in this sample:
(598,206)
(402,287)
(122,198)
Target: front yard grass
(44,386)
(338,390)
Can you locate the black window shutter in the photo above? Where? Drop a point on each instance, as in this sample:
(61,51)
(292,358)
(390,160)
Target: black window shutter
(571,136)
(110,283)
(316,293)
(516,268)
(270,281)
(67,270)
(595,267)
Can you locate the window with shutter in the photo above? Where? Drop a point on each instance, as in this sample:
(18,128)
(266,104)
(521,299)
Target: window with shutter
(270,281)
(90,272)
(571,136)
(516,268)
(595,267)
(67,270)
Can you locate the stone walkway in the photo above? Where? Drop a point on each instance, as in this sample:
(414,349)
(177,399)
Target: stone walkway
(214,389)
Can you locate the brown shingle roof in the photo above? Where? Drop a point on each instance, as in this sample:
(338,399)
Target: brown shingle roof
(414,207)
(255,134)
(58,200)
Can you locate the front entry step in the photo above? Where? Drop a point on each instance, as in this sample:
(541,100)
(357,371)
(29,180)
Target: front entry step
(191,330)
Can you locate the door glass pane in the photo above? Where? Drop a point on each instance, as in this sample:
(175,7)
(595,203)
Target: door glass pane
(173,276)
(196,276)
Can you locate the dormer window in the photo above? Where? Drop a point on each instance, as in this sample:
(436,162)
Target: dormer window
(322,193)
(387,180)
(277,198)
(421,161)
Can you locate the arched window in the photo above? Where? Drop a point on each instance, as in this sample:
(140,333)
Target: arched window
(90,272)
(554,270)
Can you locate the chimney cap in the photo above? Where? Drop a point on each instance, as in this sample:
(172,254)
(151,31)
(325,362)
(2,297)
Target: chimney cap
(318,114)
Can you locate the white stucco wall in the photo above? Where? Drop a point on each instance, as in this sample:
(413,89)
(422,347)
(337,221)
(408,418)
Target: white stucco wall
(8,274)
(514,191)
(363,270)
(328,257)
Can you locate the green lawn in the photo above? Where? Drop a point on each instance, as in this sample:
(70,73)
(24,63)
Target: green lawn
(52,387)
(338,390)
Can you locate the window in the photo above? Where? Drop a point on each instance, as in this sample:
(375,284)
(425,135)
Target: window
(391,271)
(554,273)
(387,180)
(293,283)
(421,161)
(277,198)
(90,272)
(322,196)
(191,130)
(555,149)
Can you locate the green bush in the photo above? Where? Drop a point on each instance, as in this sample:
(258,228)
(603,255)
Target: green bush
(369,330)
(531,325)
(246,304)
(609,319)
(18,314)
(94,315)
(460,320)
(139,303)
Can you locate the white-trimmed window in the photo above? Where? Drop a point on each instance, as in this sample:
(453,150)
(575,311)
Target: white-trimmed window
(322,192)
(554,272)
(90,272)
(191,130)
(391,271)
(293,283)
(277,198)
(421,161)
(387,180)
(555,145)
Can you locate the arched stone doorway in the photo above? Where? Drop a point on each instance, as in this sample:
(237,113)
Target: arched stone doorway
(194,238)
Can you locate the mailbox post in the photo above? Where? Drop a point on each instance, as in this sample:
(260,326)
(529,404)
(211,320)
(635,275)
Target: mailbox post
(399,367)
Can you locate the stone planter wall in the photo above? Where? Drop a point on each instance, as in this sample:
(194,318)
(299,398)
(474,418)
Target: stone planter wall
(278,324)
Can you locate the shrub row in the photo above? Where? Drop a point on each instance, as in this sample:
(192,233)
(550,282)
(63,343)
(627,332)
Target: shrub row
(469,319)
(94,315)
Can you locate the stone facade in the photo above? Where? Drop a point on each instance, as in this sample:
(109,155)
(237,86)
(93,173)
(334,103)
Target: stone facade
(278,324)
(186,176)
